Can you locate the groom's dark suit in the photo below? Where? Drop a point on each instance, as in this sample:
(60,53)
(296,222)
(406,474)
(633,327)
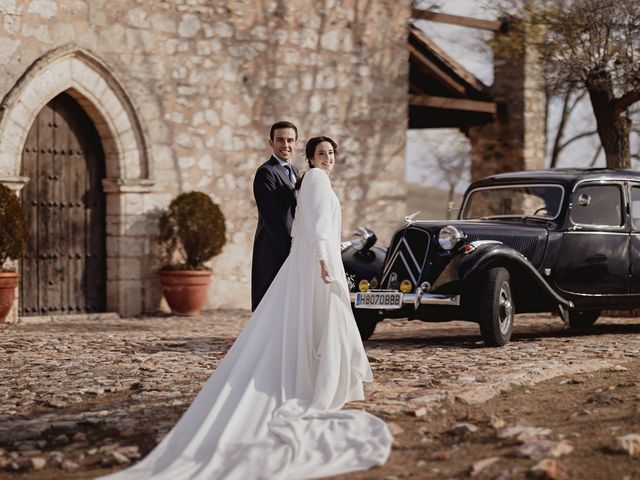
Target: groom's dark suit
(276,202)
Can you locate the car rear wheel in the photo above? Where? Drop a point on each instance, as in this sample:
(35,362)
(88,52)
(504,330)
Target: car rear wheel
(495,307)
(366,320)
(580,319)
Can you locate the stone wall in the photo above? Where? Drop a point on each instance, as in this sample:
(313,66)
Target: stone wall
(183,94)
(516,140)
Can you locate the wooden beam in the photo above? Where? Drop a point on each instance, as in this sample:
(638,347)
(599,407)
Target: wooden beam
(420,118)
(452,103)
(492,25)
(422,38)
(441,75)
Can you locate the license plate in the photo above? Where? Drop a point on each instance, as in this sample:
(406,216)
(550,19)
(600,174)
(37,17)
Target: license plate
(378,300)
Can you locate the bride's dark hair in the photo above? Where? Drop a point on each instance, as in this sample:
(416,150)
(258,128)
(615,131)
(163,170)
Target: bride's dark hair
(310,151)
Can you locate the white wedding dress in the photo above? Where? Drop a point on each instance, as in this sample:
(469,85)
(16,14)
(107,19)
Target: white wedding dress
(272,408)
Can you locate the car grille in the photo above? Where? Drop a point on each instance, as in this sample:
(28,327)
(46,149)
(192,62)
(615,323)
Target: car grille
(524,245)
(406,258)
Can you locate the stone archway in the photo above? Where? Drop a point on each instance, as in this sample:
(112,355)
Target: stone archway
(89,81)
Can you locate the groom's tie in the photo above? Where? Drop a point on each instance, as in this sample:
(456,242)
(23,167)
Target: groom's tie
(292,176)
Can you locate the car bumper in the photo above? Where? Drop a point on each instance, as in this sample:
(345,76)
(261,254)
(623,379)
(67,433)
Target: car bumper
(423,299)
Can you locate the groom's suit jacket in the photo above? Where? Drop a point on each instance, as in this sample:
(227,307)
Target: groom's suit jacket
(276,202)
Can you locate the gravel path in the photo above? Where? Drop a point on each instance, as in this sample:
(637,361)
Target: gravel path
(79,394)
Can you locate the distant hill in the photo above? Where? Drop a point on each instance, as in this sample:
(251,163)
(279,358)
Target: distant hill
(431,201)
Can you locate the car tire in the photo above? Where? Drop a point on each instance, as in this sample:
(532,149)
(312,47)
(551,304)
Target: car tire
(581,319)
(366,320)
(495,307)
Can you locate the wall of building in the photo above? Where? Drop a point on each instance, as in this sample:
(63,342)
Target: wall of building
(204,81)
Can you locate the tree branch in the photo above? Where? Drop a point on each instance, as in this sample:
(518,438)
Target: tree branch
(626,100)
(577,99)
(595,157)
(557,147)
(578,137)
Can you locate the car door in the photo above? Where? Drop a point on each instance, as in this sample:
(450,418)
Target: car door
(634,240)
(593,264)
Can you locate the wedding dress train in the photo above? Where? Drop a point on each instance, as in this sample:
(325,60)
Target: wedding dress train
(272,408)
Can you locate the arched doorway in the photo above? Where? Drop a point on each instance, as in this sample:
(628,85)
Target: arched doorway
(64,270)
(126,181)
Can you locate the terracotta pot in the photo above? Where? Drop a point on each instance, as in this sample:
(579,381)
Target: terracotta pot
(185,290)
(8,284)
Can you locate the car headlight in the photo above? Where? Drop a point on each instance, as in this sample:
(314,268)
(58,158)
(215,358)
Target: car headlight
(363,239)
(449,237)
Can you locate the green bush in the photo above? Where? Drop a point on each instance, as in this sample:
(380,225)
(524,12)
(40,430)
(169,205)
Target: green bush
(13,227)
(193,228)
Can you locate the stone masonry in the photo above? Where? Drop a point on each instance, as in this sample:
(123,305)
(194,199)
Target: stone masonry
(182,94)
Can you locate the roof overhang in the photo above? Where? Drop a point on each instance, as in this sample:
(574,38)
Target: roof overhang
(443,94)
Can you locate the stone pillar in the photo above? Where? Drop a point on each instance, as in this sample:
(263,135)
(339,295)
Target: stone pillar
(516,140)
(16,184)
(131,230)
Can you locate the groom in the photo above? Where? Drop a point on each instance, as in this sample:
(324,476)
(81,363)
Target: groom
(273,190)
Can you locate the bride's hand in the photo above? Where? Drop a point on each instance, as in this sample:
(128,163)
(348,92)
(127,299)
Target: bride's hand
(324,272)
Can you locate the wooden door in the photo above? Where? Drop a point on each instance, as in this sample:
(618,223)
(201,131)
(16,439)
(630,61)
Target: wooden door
(64,268)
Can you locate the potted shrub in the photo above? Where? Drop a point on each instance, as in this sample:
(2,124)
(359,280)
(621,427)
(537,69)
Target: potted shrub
(192,231)
(13,239)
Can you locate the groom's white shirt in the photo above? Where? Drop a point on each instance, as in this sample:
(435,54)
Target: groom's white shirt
(282,162)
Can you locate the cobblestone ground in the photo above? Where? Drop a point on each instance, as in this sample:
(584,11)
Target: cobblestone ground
(81,396)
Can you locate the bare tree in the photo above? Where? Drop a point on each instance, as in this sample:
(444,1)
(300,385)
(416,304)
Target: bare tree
(452,166)
(447,163)
(590,45)
(635,134)
(570,100)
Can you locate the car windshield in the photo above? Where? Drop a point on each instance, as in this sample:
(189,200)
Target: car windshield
(542,201)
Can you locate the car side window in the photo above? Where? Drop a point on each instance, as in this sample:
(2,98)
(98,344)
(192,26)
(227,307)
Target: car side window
(597,205)
(635,207)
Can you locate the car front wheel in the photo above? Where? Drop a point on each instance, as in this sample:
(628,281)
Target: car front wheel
(580,319)
(366,320)
(495,307)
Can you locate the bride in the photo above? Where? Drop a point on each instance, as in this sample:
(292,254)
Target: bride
(272,408)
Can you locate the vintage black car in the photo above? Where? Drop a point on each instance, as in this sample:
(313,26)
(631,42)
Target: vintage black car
(562,240)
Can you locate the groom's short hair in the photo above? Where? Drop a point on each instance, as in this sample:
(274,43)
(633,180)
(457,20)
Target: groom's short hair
(283,124)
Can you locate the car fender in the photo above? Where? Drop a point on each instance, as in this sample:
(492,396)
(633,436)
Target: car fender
(366,265)
(491,254)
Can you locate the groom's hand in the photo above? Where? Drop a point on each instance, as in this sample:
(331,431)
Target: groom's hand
(324,272)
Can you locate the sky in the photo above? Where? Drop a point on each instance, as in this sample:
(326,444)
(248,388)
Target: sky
(467,46)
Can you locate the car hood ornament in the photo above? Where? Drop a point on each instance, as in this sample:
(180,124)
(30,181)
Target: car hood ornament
(409,219)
